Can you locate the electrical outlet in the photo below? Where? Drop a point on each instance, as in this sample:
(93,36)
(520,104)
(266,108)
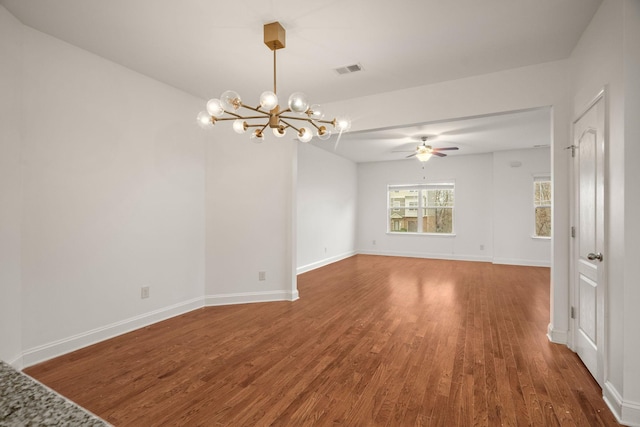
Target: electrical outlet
(144,292)
(262,275)
(482,247)
(325,250)
(374,242)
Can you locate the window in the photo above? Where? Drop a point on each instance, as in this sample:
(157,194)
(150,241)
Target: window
(542,205)
(422,208)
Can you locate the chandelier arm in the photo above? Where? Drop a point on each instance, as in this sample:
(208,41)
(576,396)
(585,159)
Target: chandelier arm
(314,124)
(296,118)
(289,124)
(257,110)
(237,116)
(329,122)
(312,121)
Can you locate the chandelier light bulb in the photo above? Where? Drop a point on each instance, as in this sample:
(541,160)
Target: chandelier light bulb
(279,131)
(343,124)
(240,126)
(298,102)
(231,100)
(257,136)
(324,133)
(305,134)
(204,120)
(215,108)
(268,100)
(316,112)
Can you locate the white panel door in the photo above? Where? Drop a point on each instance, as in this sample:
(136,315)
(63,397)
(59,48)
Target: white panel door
(589,287)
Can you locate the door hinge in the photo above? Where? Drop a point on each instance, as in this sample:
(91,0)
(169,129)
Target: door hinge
(573,231)
(573,150)
(573,312)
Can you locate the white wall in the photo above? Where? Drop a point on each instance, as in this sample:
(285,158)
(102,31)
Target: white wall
(472,214)
(607,56)
(113,199)
(513,214)
(631,72)
(493,217)
(10,189)
(326,207)
(250,205)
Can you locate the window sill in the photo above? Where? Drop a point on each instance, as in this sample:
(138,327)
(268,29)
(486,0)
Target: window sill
(406,233)
(540,237)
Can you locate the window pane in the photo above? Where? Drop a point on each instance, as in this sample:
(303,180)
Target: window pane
(543,221)
(402,220)
(401,198)
(437,220)
(437,198)
(403,210)
(542,193)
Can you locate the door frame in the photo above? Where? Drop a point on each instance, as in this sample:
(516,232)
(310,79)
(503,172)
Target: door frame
(602,234)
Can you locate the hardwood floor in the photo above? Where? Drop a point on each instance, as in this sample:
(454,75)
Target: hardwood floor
(373,341)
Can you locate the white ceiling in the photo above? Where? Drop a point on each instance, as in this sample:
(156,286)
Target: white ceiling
(472,135)
(205,47)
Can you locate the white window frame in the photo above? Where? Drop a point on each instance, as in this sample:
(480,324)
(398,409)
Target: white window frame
(536,179)
(445,185)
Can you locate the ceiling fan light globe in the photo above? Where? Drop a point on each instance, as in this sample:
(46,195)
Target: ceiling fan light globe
(423,156)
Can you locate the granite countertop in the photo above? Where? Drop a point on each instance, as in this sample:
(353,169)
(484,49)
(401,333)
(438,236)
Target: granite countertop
(26,402)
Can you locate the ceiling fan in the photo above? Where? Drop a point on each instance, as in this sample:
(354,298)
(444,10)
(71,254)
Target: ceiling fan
(424,152)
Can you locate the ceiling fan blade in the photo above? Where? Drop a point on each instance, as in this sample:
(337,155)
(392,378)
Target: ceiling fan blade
(435,153)
(410,155)
(445,148)
(403,151)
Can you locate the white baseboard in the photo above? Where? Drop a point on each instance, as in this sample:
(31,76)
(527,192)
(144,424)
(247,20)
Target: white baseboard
(250,297)
(57,348)
(452,257)
(524,262)
(323,262)
(626,413)
(17,363)
(557,336)
(66,345)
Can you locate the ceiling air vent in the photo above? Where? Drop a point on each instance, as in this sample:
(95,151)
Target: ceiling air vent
(349,69)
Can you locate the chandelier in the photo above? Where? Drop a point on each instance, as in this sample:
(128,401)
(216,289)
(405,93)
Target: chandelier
(306,120)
